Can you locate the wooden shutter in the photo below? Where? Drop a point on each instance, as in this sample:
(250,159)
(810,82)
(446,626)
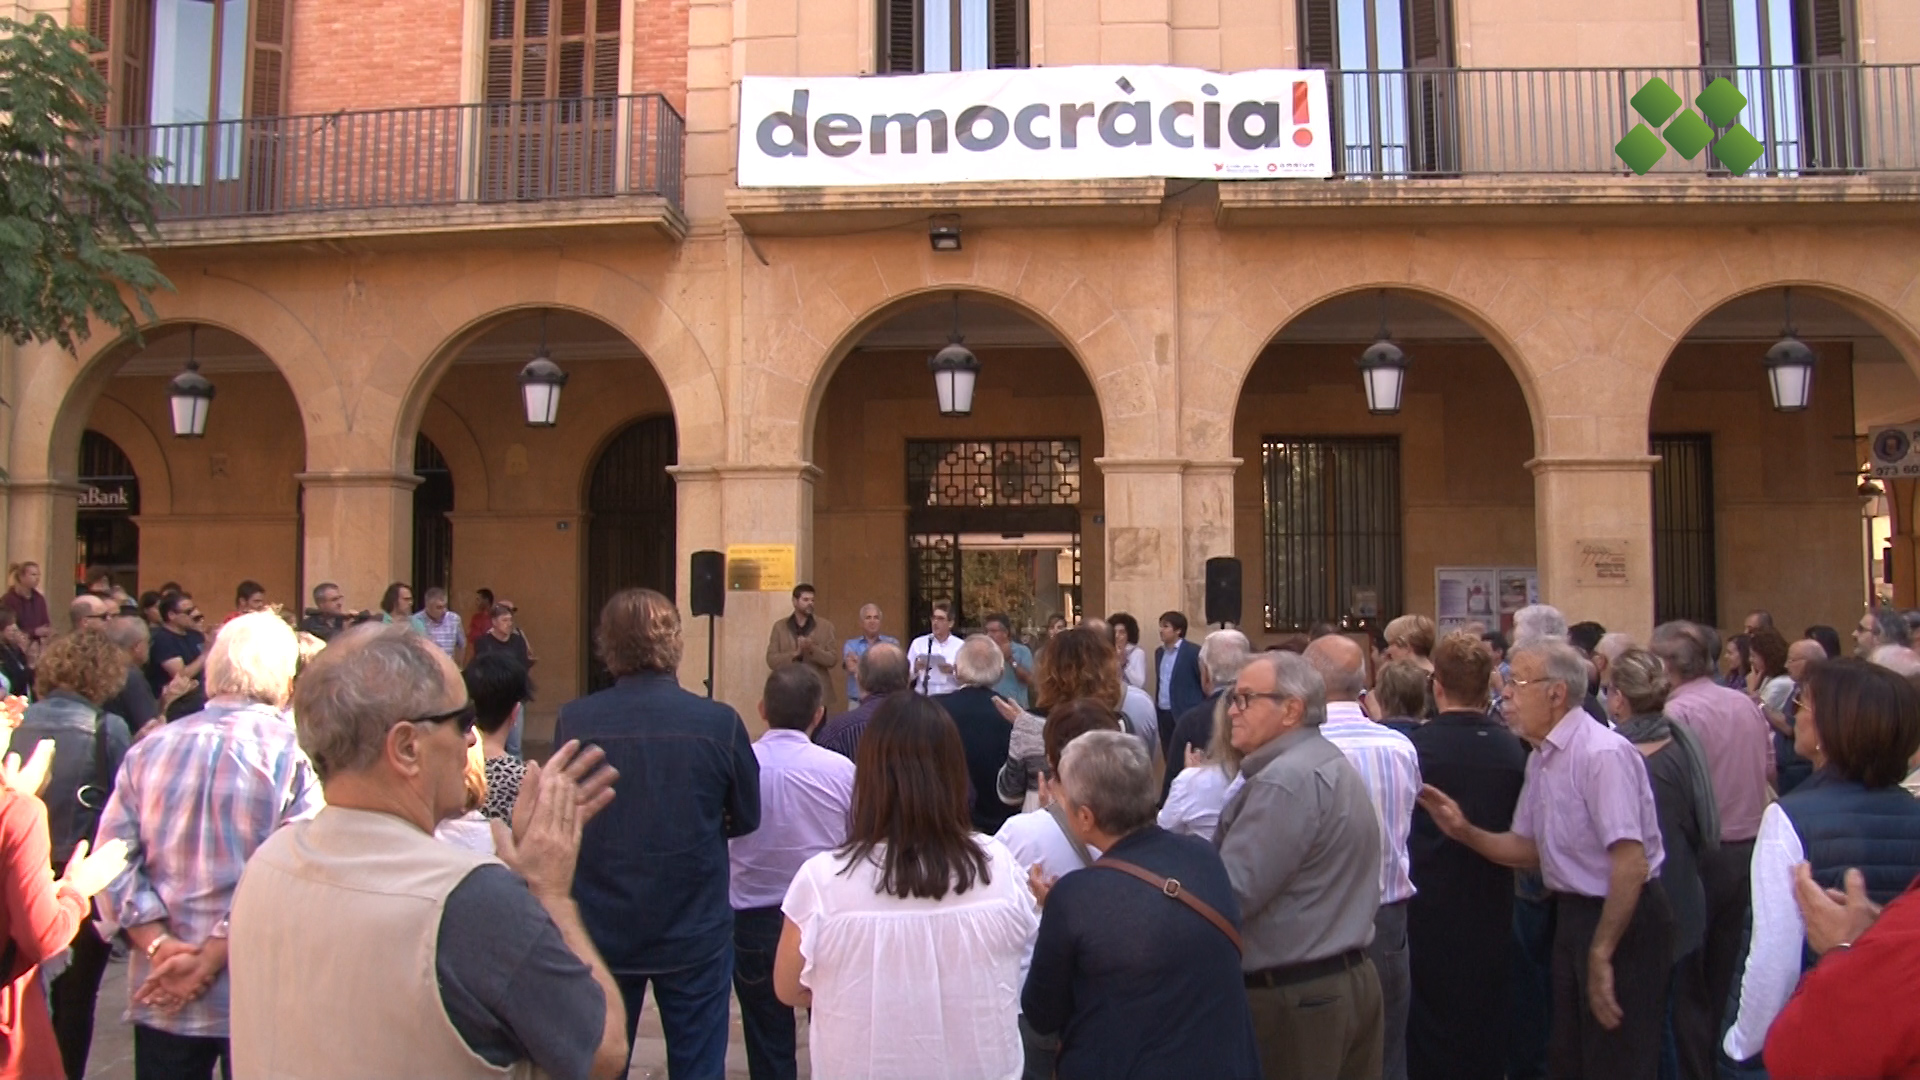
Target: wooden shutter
(100,24)
(1830,111)
(1430,86)
(1824,32)
(606,48)
(1429,34)
(899,36)
(267,82)
(1319,47)
(502,18)
(1007,34)
(122,29)
(1716,33)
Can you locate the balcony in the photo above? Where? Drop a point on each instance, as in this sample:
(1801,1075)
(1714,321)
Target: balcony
(394,175)
(1836,143)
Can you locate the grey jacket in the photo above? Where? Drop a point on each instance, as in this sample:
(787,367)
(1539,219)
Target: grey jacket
(1302,846)
(84,768)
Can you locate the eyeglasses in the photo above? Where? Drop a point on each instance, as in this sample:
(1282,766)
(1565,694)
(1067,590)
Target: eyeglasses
(463,718)
(1244,699)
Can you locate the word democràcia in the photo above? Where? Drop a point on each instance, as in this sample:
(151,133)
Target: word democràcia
(1252,125)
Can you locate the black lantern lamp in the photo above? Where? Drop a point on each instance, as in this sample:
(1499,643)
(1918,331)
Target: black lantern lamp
(1790,368)
(190,394)
(954,370)
(1383,369)
(540,384)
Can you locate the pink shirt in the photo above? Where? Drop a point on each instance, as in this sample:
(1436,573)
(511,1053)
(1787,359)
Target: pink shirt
(1586,790)
(1739,748)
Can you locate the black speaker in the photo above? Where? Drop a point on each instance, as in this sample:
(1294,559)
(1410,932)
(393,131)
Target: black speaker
(709,585)
(1223,590)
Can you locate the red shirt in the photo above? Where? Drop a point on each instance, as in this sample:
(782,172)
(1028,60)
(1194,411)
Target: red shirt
(1855,1014)
(40,921)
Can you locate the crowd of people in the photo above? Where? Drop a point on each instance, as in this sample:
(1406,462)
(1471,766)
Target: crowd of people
(1346,855)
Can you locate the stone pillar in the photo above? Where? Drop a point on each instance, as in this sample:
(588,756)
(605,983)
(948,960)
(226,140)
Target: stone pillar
(1582,504)
(358,532)
(741,504)
(43,527)
(1145,575)
(1206,518)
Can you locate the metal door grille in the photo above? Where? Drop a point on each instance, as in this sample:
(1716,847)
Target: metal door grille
(432,532)
(1684,575)
(630,529)
(1332,525)
(993,472)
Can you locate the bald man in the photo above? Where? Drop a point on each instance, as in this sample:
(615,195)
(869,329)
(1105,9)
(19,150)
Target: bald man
(1793,769)
(1387,763)
(89,610)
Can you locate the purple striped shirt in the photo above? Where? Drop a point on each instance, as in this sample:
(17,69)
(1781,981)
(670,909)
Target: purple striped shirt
(193,802)
(1390,768)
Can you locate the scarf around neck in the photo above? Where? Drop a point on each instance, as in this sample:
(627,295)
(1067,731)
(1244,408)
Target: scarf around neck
(1654,727)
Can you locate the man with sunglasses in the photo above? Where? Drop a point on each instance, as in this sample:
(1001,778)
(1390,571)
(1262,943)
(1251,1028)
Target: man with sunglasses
(464,964)
(178,650)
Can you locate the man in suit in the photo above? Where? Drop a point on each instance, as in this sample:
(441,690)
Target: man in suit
(1181,685)
(984,733)
(653,871)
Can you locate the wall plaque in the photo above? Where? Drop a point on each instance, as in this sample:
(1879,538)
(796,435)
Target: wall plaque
(1600,562)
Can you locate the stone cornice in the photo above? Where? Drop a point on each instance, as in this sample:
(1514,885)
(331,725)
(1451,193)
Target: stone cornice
(399,481)
(799,470)
(1625,463)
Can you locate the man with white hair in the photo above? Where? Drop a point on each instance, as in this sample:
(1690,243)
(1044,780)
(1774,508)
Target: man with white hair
(1538,622)
(1586,817)
(1224,655)
(463,964)
(194,800)
(1302,849)
(984,733)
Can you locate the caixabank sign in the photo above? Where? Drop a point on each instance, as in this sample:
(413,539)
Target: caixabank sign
(1070,123)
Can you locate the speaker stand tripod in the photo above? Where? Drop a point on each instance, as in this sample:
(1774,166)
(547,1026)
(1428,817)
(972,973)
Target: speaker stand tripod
(709,658)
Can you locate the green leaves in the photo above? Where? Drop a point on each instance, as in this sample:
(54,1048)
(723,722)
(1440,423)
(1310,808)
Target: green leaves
(71,205)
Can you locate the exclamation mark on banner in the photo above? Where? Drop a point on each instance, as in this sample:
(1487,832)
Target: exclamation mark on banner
(1302,136)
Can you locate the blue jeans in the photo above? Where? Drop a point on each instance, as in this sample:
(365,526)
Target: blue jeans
(768,1024)
(514,733)
(1532,984)
(693,1014)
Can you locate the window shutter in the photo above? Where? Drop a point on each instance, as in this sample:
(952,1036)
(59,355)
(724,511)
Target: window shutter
(501,21)
(1826,35)
(606,48)
(1007,34)
(267,88)
(899,36)
(100,25)
(1716,33)
(1319,47)
(1429,34)
(134,31)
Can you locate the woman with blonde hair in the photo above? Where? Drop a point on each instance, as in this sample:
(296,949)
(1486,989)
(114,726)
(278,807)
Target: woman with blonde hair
(1200,791)
(1074,665)
(29,605)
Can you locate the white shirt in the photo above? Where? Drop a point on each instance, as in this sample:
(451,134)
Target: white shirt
(1193,806)
(932,680)
(470,831)
(1390,768)
(1133,668)
(1036,839)
(805,793)
(1779,935)
(1139,711)
(913,988)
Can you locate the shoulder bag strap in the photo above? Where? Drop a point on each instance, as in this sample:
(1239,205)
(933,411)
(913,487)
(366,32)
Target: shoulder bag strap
(1172,888)
(1060,818)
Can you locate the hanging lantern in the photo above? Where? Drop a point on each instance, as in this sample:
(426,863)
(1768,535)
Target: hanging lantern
(955,369)
(1383,369)
(540,384)
(1790,368)
(190,394)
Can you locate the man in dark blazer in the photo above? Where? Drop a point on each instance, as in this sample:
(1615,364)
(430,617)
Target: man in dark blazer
(653,871)
(1177,664)
(984,733)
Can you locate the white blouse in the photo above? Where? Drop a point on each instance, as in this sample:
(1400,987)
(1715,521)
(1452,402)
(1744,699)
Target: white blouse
(1133,667)
(1193,806)
(1779,935)
(1036,839)
(913,988)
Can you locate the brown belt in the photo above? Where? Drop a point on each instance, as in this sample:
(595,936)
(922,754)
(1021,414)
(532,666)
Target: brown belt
(1295,974)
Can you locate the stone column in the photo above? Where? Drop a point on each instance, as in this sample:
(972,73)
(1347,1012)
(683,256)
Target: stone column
(1206,504)
(43,526)
(359,532)
(1145,499)
(741,504)
(1581,505)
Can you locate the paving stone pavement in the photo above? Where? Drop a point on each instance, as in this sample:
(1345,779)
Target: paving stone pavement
(112,1057)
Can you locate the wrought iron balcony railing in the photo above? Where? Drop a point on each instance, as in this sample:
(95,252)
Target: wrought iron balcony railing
(411,158)
(1438,122)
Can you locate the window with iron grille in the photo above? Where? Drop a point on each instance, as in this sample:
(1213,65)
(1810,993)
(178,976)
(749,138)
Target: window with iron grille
(993,472)
(1332,526)
(1684,575)
(432,531)
(951,35)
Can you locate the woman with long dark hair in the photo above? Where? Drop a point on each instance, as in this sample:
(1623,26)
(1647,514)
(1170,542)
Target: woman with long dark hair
(907,943)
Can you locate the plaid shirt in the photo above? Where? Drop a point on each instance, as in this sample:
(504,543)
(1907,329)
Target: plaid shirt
(193,802)
(449,633)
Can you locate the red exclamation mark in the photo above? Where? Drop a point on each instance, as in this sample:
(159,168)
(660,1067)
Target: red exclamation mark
(1302,136)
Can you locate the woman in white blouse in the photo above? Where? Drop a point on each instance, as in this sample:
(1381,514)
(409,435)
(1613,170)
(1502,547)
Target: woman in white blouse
(1126,640)
(1200,791)
(907,943)
(1039,839)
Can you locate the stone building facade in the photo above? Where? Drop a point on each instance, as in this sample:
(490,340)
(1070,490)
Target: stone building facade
(1559,318)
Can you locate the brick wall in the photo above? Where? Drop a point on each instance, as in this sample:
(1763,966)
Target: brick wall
(660,49)
(370,54)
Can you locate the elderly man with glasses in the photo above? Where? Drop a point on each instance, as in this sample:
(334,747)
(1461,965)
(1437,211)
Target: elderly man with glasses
(1586,817)
(1302,848)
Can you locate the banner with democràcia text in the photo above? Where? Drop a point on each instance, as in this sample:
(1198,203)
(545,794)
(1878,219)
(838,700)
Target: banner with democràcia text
(1066,123)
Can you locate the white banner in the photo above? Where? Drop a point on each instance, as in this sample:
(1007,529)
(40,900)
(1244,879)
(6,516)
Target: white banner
(1067,123)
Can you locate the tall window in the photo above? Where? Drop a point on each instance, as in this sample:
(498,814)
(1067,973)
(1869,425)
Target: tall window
(553,70)
(1332,527)
(1787,57)
(1683,541)
(1393,99)
(951,35)
(432,531)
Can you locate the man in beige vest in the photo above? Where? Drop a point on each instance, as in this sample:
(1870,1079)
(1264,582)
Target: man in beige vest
(805,638)
(362,947)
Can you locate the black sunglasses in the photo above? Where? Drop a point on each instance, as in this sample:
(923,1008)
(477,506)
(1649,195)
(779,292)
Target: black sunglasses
(463,717)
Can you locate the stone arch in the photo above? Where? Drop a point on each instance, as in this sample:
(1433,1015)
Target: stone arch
(457,443)
(142,446)
(1258,312)
(1091,331)
(461,310)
